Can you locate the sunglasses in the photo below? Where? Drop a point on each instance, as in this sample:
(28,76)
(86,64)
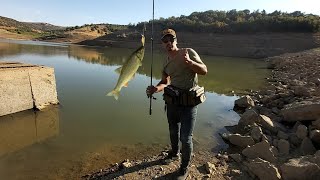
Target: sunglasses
(167,39)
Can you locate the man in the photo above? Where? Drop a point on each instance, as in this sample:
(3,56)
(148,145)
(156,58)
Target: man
(180,71)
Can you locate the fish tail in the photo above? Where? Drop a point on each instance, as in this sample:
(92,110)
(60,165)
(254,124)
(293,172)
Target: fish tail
(114,93)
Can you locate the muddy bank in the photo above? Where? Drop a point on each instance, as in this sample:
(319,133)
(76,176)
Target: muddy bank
(258,45)
(277,137)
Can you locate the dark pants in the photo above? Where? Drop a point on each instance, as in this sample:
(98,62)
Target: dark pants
(181,119)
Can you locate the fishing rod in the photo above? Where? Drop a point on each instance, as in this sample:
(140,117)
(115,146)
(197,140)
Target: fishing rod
(151,96)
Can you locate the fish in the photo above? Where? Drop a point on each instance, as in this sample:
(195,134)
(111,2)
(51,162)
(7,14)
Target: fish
(128,69)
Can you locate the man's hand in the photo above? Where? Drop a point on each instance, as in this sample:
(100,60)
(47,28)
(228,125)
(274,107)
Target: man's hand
(151,90)
(187,59)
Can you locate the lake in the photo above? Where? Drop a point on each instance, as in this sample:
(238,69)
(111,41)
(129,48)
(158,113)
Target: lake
(88,130)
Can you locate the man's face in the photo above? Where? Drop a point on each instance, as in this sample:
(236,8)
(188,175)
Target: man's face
(169,42)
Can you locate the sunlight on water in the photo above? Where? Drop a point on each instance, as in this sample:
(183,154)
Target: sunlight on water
(90,130)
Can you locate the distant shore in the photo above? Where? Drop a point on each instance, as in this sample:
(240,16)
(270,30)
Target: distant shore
(259,45)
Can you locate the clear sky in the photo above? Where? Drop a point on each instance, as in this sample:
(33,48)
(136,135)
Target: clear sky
(79,12)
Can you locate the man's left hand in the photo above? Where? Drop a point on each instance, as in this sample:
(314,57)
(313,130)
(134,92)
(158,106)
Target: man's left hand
(187,59)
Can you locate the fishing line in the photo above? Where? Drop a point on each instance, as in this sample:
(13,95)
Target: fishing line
(151,96)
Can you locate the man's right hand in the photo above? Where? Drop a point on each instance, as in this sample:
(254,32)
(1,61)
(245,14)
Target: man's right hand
(151,90)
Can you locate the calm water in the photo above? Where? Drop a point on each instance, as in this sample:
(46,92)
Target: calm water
(90,130)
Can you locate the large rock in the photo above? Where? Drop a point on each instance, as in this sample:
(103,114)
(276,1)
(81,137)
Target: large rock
(244,102)
(263,169)
(301,112)
(239,140)
(260,150)
(300,169)
(251,117)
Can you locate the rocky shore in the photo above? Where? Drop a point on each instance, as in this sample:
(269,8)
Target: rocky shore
(277,136)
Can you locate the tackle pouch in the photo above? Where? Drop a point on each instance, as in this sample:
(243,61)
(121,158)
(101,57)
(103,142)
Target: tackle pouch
(196,95)
(192,97)
(171,95)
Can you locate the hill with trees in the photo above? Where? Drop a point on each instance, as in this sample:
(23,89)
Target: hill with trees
(242,21)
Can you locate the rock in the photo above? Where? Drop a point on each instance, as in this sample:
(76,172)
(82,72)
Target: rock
(307,147)
(302,131)
(283,147)
(225,136)
(263,169)
(266,123)
(275,151)
(301,91)
(244,102)
(256,133)
(295,127)
(300,169)
(275,110)
(126,164)
(316,123)
(301,112)
(261,150)
(239,140)
(296,82)
(210,168)
(235,172)
(266,138)
(250,117)
(294,140)
(315,136)
(282,135)
(236,157)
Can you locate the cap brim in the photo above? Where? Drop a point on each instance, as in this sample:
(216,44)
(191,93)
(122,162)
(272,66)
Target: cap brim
(167,35)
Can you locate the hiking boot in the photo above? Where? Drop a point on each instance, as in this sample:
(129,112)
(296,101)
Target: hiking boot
(171,157)
(182,174)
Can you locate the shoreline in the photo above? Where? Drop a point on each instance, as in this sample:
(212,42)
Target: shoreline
(274,140)
(250,45)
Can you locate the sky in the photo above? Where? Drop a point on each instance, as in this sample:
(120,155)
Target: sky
(79,12)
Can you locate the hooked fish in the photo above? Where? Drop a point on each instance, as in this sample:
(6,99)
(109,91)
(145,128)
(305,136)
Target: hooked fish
(128,69)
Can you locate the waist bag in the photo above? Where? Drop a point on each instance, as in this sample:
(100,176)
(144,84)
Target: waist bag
(176,96)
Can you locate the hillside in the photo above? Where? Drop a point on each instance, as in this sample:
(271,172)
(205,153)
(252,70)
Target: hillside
(11,24)
(13,29)
(78,34)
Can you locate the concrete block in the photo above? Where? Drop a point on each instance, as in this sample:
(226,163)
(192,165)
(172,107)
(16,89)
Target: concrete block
(25,86)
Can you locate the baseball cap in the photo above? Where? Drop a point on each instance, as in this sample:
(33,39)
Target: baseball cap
(168,32)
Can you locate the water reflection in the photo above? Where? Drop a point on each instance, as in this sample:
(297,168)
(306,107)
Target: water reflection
(128,70)
(23,129)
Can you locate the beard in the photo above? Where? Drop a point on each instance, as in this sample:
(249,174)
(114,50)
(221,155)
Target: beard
(169,48)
